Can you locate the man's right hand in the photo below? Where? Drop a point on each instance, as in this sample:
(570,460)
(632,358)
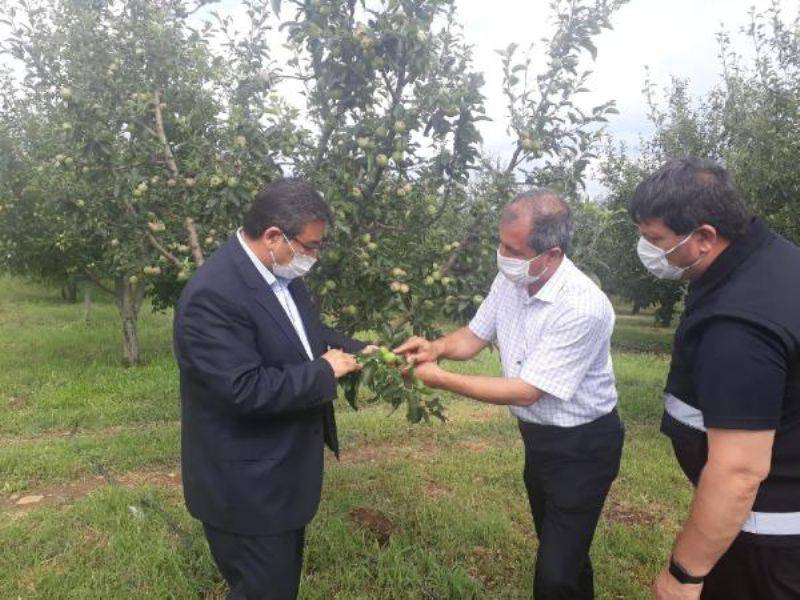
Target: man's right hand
(342,363)
(418,350)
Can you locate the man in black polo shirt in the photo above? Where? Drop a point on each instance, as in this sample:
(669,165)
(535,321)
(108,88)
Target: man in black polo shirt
(733,392)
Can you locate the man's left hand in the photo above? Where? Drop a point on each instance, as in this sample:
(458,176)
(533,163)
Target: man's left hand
(429,373)
(370,348)
(666,587)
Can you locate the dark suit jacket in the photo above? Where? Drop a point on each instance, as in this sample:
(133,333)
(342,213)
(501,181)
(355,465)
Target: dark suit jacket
(252,401)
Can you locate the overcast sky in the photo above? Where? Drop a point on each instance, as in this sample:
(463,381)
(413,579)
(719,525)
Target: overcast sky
(671,37)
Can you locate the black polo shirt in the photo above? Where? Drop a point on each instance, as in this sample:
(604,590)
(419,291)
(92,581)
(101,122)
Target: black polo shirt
(736,365)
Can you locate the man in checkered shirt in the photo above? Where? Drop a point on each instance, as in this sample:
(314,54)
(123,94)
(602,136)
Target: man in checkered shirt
(553,327)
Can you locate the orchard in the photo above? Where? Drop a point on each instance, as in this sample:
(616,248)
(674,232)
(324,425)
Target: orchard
(136,136)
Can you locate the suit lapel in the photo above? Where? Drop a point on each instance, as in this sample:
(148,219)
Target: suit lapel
(263,294)
(308,314)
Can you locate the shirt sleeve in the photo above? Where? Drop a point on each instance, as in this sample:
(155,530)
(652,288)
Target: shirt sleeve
(564,354)
(740,376)
(484,323)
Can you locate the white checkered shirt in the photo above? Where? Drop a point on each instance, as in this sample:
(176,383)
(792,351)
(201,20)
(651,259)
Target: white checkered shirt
(558,341)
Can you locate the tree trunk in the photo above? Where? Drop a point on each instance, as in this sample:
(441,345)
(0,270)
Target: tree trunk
(129,298)
(69,291)
(637,308)
(87,302)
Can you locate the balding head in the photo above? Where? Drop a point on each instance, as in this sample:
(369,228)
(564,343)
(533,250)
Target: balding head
(547,216)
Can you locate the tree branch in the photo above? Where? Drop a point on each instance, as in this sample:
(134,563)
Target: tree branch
(97,282)
(163,251)
(191,230)
(194,242)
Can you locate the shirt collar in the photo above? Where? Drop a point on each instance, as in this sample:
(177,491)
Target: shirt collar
(550,290)
(262,269)
(726,263)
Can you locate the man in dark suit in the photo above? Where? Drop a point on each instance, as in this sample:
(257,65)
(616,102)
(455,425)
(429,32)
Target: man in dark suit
(258,373)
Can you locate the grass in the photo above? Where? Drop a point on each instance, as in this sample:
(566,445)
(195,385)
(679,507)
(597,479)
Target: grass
(100,443)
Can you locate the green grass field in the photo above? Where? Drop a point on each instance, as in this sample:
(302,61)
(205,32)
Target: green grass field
(431,511)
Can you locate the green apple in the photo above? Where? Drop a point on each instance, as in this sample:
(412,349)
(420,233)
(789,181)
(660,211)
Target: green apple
(382,160)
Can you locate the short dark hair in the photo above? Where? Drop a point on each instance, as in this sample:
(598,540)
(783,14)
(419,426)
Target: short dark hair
(288,204)
(689,192)
(551,218)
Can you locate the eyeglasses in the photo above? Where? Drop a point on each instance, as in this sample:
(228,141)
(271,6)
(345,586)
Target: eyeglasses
(308,249)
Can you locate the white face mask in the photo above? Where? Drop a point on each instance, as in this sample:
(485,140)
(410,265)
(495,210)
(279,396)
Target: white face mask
(655,260)
(297,267)
(516,269)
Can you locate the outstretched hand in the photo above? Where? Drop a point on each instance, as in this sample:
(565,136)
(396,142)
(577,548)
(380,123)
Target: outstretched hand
(417,350)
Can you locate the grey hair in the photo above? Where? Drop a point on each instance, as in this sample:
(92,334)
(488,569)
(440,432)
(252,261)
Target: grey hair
(551,218)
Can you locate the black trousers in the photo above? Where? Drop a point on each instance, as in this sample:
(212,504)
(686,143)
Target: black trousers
(568,472)
(749,571)
(258,567)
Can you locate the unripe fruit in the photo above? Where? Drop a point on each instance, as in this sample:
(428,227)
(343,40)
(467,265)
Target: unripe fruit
(399,126)
(382,160)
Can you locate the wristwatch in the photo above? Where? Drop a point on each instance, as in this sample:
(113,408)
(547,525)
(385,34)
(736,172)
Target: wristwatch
(681,574)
